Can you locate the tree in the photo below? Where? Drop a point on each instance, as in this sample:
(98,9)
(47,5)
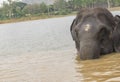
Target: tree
(29,9)
(10,8)
(17,9)
(108,2)
(4,11)
(60,4)
(43,8)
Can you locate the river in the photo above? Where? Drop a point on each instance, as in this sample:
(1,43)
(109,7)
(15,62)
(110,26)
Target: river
(43,51)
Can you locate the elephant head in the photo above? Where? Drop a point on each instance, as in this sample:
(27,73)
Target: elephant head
(91,30)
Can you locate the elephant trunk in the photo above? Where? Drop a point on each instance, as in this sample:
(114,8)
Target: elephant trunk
(89,50)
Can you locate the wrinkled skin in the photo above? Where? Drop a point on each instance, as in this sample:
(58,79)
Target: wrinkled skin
(116,34)
(92,32)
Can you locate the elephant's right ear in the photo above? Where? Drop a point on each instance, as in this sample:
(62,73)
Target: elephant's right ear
(73,31)
(72,25)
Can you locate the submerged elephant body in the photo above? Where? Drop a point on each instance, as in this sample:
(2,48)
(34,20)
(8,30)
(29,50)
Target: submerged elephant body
(92,31)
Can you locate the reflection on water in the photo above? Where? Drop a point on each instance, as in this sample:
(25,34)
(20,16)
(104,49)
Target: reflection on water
(43,51)
(105,69)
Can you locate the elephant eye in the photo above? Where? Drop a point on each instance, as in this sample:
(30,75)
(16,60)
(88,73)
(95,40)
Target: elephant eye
(102,34)
(103,31)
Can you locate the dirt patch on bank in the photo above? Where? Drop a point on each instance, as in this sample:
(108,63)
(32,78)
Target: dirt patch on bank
(114,9)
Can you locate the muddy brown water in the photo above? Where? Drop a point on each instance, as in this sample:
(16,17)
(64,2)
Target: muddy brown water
(43,51)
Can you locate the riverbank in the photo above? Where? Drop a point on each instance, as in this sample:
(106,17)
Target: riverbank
(33,18)
(114,9)
(44,17)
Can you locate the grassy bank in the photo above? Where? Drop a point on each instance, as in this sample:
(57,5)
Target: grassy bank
(33,18)
(26,19)
(114,9)
(44,17)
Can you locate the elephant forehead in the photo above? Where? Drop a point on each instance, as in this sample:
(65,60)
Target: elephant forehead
(87,27)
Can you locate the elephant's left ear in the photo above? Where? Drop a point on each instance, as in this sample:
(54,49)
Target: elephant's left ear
(117,19)
(117,22)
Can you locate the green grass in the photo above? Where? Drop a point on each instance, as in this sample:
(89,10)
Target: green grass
(43,17)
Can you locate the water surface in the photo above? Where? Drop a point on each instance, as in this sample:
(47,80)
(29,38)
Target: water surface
(43,51)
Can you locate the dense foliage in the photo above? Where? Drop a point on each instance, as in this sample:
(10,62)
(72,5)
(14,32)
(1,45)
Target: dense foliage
(14,9)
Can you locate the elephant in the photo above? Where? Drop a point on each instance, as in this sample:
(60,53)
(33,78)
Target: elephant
(116,34)
(92,31)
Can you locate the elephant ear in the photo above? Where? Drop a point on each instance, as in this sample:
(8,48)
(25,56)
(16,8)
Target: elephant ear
(116,34)
(72,25)
(72,29)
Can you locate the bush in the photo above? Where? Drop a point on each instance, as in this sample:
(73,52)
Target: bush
(62,12)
